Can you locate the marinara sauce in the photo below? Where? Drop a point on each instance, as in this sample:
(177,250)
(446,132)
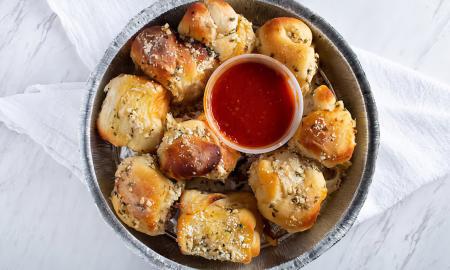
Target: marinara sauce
(252,104)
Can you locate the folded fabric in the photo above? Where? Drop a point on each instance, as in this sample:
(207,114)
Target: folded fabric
(49,115)
(414,124)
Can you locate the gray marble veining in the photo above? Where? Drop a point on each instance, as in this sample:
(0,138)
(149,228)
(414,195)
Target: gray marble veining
(30,36)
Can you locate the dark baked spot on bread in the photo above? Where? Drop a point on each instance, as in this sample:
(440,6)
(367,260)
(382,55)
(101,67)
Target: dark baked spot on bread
(181,67)
(187,159)
(311,136)
(156,49)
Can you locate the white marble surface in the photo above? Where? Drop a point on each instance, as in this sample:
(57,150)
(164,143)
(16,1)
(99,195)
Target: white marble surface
(49,220)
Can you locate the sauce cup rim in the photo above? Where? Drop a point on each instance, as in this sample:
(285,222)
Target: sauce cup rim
(293,86)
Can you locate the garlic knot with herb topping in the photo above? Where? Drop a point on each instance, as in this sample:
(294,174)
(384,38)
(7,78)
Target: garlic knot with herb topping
(190,149)
(133,113)
(327,134)
(182,68)
(289,40)
(142,195)
(218,226)
(216,24)
(289,189)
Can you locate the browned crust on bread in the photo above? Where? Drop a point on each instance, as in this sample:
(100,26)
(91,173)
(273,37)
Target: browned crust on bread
(198,24)
(216,24)
(142,196)
(230,156)
(288,188)
(133,113)
(327,136)
(219,226)
(289,40)
(184,160)
(324,98)
(190,149)
(181,69)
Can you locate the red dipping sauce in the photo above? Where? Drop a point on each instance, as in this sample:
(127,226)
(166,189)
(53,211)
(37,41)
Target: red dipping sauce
(252,104)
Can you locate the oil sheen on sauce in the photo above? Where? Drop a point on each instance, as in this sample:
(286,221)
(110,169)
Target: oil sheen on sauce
(252,104)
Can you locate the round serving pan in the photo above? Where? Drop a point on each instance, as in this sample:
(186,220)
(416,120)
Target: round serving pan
(344,72)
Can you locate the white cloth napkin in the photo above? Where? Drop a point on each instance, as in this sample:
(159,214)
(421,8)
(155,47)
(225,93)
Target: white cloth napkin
(414,123)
